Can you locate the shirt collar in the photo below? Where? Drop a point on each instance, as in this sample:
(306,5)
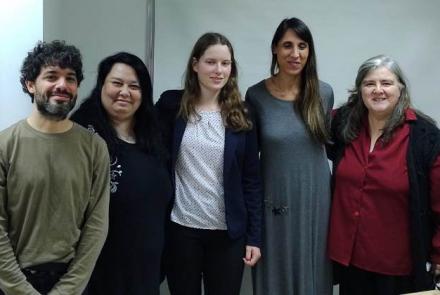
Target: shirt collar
(410,115)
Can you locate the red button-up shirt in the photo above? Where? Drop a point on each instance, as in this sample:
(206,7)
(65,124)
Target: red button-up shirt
(370,223)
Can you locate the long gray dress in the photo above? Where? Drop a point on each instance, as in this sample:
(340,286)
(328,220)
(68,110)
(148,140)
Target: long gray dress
(296,178)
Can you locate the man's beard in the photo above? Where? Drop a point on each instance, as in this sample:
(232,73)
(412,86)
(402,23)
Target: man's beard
(54,111)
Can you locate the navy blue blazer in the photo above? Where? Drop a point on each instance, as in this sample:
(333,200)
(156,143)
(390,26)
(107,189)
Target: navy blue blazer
(241,170)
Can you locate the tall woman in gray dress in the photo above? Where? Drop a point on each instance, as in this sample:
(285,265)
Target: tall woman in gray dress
(291,107)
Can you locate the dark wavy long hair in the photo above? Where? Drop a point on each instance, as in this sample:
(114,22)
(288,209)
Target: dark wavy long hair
(91,113)
(233,111)
(310,103)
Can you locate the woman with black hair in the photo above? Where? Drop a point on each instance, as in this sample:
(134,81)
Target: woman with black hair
(120,109)
(292,107)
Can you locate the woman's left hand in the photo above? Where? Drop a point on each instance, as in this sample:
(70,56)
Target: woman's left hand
(252,256)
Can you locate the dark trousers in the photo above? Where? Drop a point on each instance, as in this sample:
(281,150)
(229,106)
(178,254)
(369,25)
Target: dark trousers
(43,277)
(196,254)
(355,281)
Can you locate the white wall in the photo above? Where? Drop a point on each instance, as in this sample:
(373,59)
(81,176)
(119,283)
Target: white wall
(99,28)
(346,32)
(21,26)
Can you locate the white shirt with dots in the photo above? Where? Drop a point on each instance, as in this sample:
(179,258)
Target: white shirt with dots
(199,201)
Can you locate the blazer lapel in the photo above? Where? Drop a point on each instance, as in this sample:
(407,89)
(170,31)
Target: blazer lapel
(179,129)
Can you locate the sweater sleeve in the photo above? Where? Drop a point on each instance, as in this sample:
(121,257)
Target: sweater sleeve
(435,206)
(12,280)
(94,230)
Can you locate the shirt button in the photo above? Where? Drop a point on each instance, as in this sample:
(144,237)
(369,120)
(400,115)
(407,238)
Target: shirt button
(356,213)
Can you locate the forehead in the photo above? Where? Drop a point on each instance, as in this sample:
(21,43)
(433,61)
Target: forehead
(57,70)
(122,71)
(217,51)
(292,36)
(380,73)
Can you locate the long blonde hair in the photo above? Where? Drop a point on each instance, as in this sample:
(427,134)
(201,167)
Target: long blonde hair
(233,110)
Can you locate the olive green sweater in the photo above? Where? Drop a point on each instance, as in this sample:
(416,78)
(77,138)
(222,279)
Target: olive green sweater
(54,195)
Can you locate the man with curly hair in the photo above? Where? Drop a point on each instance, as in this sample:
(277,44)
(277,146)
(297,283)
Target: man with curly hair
(54,183)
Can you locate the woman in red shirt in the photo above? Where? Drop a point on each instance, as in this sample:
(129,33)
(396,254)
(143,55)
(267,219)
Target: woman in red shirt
(384,234)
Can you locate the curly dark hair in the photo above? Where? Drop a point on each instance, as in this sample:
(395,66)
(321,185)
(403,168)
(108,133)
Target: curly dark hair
(55,53)
(146,128)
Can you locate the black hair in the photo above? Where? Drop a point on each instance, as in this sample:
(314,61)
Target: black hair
(146,127)
(310,103)
(55,53)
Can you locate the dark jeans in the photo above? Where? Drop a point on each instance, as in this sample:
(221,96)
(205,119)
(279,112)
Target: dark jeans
(209,254)
(355,281)
(44,276)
